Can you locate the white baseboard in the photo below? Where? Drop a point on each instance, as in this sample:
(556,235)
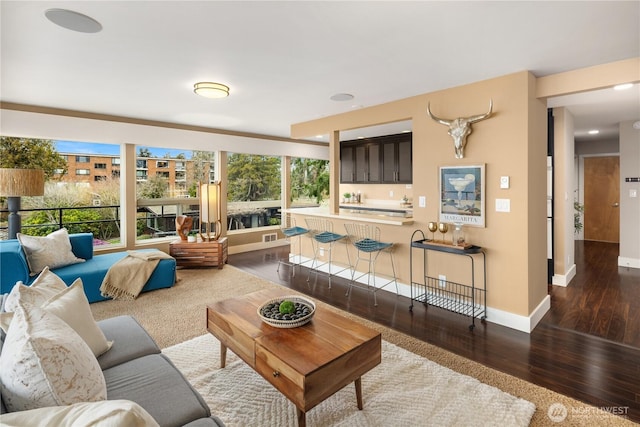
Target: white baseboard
(238,249)
(628,262)
(564,280)
(519,322)
(499,317)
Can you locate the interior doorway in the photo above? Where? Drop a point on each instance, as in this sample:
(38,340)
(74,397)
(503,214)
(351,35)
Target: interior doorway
(602,199)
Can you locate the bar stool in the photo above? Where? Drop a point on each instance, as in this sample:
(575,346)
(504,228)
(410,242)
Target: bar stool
(321,230)
(366,239)
(292,232)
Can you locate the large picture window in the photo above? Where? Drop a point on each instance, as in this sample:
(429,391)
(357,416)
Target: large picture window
(253,191)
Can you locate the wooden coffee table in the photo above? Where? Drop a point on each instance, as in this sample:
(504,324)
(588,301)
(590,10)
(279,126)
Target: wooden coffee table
(306,364)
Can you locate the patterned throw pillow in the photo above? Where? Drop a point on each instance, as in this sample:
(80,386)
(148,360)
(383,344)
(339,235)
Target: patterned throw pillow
(53,251)
(44,362)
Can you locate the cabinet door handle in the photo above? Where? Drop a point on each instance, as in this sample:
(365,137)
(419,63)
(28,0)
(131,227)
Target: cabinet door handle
(276,374)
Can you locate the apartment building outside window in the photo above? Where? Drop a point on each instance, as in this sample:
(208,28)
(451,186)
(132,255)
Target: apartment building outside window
(83,159)
(115,161)
(162,164)
(99,165)
(83,172)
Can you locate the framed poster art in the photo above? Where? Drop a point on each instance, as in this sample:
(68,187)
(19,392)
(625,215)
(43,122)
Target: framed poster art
(462,195)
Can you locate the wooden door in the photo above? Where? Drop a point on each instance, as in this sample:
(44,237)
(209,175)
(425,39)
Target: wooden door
(602,199)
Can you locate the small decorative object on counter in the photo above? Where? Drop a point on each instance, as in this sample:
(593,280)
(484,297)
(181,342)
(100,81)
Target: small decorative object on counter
(347,197)
(433,227)
(192,237)
(443,227)
(458,235)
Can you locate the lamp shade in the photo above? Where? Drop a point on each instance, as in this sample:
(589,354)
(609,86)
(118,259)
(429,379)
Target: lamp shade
(21,182)
(208,203)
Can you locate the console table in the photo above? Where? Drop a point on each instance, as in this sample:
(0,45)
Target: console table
(466,299)
(200,253)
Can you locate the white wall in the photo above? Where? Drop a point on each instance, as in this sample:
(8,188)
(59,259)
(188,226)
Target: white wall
(47,126)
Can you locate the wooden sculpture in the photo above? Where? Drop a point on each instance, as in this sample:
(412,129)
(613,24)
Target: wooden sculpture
(183,226)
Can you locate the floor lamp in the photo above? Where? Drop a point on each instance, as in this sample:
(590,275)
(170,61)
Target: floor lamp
(210,211)
(15,183)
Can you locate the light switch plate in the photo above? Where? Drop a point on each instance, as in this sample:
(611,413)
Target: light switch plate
(504,182)
(422,201)
(503,205)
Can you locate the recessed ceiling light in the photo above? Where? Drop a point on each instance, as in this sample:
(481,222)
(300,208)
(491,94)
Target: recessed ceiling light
(342,97)
(73,21)
(594,132)
(623,86)
(211,89)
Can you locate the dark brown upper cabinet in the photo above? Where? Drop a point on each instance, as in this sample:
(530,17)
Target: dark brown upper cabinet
(378,160)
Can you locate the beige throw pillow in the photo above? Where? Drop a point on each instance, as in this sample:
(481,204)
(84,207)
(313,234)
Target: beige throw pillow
(44,362)
(46,285)
(68,303)
(53,251)
(86,414)
(72,306)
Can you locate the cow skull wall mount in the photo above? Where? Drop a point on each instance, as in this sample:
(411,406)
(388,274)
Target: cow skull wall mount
(460,128)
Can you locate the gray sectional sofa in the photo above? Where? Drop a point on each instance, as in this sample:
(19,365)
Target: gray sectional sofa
(136,370)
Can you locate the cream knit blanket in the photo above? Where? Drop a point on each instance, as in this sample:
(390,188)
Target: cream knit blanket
(126,278)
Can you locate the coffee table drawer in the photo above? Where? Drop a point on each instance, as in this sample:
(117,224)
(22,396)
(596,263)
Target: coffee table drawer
(282,376)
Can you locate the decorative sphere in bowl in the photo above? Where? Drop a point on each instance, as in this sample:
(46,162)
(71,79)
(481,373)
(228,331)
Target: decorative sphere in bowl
(287,311)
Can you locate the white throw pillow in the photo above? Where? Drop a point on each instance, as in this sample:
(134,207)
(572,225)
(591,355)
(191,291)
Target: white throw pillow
(44,362)
(46,285)
(72,306)
(53,250)
(85,414)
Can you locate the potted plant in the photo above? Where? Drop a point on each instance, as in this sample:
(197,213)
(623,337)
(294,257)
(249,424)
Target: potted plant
(192,237)
(347,197)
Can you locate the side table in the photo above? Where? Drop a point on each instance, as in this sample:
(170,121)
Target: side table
(200,253)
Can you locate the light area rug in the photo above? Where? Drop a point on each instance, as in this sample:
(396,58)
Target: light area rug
(404,390)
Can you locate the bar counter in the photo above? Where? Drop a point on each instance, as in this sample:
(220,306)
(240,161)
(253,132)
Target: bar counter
(347,216)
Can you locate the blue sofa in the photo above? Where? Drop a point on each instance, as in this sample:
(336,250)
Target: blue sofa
(13,267)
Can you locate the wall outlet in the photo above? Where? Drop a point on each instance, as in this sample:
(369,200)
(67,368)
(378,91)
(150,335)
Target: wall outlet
(422,201)
(321,251)
(391,194)
(442,280)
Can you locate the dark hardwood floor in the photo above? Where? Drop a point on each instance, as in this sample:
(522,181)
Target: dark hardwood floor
(586,346)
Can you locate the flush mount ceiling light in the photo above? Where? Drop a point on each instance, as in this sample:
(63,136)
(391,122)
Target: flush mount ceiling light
(623,86)
(594,132)
(73,21)
(211,89)
(342,97)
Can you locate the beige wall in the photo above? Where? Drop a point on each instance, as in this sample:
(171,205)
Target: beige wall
(629,206)
(512,142)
